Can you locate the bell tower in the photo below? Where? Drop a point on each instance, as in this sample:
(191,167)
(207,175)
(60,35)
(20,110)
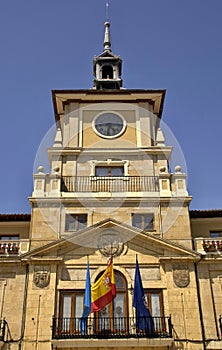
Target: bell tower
(107,66)
(109,161)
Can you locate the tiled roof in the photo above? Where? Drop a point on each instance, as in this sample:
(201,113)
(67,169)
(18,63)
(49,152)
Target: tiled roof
(15,217)
(210,213)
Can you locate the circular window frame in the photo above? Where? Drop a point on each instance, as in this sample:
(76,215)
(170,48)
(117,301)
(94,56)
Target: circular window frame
(106,136)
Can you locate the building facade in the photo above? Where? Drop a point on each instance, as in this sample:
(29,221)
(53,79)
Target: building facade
(109,192)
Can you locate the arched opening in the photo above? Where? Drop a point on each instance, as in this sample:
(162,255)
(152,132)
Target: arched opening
(114,316)
(107,72)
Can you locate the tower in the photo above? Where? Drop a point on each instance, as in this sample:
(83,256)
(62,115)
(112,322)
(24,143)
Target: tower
(109,193)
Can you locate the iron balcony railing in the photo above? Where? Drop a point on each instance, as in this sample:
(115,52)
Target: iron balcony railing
(110,184)
(2,330)
(114,327)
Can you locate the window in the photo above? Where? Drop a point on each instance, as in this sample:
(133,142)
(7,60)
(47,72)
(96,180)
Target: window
(71,308)
(75,222)
(155,306)
(107,72)
(111,317)
(109,171)
(9,238)
(109,167)
(215,234)
(143,221)
(154,302)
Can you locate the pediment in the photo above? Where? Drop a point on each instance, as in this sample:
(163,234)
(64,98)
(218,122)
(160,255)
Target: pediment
(90,241)
(107,54)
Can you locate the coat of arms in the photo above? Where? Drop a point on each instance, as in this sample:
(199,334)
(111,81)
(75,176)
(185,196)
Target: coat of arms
(181,275)
(41,277)
(107,281)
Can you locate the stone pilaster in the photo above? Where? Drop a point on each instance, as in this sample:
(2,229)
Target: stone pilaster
(39,183)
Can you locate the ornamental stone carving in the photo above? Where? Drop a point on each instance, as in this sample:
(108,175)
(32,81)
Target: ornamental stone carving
(41,277)
(181,275)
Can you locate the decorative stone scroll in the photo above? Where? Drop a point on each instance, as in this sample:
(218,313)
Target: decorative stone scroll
(181,275)
(41,276)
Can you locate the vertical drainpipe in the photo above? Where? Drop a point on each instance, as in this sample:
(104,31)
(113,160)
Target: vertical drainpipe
(214,309)
(200,305)
(24,308)
(37,323)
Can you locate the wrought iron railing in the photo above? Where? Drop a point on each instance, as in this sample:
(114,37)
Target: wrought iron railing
(110,184)
(114,327)
(2,330)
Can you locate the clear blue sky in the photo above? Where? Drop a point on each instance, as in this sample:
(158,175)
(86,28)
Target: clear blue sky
(164,44)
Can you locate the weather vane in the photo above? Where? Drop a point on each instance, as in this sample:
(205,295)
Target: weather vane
(107,10)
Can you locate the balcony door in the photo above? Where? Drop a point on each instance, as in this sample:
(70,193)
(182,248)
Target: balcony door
(71,308)
(155,305)
(114,317)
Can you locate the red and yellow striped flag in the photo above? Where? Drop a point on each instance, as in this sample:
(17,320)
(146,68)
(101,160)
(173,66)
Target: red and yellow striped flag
(103,291)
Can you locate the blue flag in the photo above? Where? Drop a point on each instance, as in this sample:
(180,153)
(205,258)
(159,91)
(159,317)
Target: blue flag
(144,320)
(87,303)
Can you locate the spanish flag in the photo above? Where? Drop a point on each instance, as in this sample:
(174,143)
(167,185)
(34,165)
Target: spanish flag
(103,291)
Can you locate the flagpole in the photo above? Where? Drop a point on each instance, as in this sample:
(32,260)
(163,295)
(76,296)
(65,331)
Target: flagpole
(87,301)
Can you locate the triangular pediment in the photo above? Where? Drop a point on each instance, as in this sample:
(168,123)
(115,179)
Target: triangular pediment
(94,238)
(108,54)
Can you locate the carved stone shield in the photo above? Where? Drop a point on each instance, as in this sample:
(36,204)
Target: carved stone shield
(41,277)
(181,275)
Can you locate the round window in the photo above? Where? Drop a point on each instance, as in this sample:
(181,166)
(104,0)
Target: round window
(109,125)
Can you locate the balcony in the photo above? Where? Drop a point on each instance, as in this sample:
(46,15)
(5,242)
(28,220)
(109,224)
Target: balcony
(110,328)
(211,245)
(208,245)
(110,184)
(13,248)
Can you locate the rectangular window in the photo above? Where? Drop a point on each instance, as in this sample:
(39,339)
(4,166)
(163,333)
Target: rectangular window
(215,234)
(9,238)
(109,171)
(75,222)
(143,221)
(71,308)
(155,306)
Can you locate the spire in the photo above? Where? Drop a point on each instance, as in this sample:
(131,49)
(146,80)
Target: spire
(107,42)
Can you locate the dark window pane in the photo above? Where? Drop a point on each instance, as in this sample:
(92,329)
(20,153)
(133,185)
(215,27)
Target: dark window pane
(75,222)
(137,221)
(9,238)
(119,281)
(109,171)
(148,222)
(143,221)
(117,171)
(101,171)
(215,234)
